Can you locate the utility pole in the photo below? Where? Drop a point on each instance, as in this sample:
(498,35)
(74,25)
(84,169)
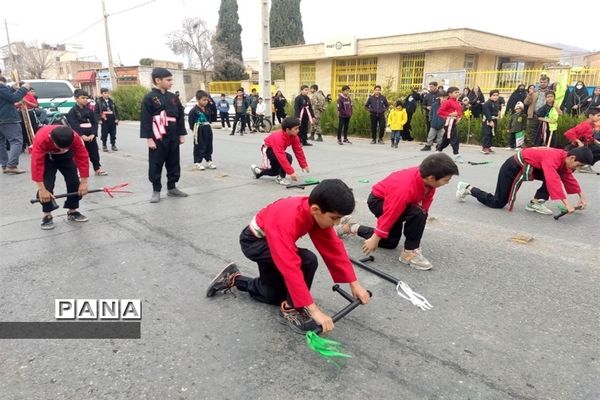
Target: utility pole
(111,68)
(12,56)
(264,60)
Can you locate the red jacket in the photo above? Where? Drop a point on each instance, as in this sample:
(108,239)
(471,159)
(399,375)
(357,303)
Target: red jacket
(279,141)
(284,222)
(43,144)
(399,190)
(552,163)
(583,131)
(448,106)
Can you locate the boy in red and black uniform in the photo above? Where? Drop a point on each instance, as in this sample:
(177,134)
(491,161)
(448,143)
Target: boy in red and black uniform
(276,162)
(554,167)
(84,122)
(106,114)
(401,201)
(162,124)
(58,148)
(451,111)
(285,271)
(582,135)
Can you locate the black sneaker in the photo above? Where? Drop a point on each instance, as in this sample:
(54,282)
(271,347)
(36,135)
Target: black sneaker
(47,222)
(380,141)
(224,281)
(104,148)
(76,216)
(115,148)
(176,193)
(347,141)
(298,320)
(426,148)
(373,141)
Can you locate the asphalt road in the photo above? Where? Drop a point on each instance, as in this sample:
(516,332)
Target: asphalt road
(510,320)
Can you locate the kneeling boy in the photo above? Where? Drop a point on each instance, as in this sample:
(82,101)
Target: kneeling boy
(276,162)
(285,271)
(58,148)
(401,201)
(554,167)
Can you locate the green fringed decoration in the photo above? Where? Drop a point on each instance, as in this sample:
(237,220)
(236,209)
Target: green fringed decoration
(562,208)
(326,348)
(311,180)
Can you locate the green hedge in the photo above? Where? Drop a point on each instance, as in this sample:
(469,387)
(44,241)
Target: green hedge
(128,100)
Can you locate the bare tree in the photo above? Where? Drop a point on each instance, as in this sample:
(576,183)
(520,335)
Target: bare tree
(34,60)
(194,41)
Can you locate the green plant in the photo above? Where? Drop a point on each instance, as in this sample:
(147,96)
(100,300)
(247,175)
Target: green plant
(128,100)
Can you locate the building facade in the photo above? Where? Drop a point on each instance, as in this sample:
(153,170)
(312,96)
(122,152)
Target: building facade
(402,62)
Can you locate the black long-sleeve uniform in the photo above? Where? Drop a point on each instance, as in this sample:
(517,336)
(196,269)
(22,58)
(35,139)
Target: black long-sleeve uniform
(490,110)
(167,145)
(78,116)
(303,110)
(203,135)
(106,112)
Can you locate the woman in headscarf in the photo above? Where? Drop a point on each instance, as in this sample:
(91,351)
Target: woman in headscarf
(576,100)
(518,95)
(476,99)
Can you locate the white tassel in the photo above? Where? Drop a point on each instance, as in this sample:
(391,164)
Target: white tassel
(415,298)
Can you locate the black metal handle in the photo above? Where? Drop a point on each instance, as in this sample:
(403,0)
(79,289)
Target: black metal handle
(301,185)
(59,196)
(375,271)
(563,213)
(367,259)
(344,311)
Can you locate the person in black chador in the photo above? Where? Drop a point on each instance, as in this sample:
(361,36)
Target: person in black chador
(162,124)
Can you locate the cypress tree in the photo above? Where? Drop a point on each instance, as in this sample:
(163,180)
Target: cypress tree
(227,44)
(285,23)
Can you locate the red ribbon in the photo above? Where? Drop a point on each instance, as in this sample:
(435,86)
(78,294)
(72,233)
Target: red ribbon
(109,190)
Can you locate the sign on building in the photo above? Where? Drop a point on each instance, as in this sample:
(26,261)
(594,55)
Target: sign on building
(340,46)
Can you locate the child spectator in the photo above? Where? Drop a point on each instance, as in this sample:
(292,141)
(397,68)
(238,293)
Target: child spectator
(517,126)
(344,108)
(199,121)
(396,120)
(436,130)
(490,111)
(223,108)
(451,111)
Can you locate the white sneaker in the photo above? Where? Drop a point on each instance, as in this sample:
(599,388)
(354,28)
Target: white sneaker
(199,167)
(415,259)
(461,191)
(538,207)
(211,165)
(459,159)
(255,171)
(282,181)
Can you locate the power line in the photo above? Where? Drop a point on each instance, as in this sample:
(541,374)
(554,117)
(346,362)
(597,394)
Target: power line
(83,30)
(131,8)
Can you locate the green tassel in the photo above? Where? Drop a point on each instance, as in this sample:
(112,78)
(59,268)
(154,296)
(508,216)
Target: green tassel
(311,180)
(326,348)
(562,208)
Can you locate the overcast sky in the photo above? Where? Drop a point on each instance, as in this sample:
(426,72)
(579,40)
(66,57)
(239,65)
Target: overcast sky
(141,32)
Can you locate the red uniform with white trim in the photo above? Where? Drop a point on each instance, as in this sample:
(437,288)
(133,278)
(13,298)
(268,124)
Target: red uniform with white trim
(283,223)
(552,162)
(399,190)
(43,144)
(448,106)
(583,132)
(279,141)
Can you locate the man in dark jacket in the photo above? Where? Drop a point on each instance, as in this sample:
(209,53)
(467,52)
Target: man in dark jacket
(377,105)
(10,126)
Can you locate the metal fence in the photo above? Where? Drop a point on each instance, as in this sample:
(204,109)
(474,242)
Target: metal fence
(508,80)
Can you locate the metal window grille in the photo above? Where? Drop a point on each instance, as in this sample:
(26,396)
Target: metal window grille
(411,71)
(307,73)
(358,73)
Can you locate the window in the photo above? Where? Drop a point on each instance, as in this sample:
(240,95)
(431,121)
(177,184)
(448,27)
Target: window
(412,67)
(470,62)
(307,73)
(358,73)
(187,79)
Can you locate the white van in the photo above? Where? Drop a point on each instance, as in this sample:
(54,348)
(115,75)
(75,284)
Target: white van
(54,93)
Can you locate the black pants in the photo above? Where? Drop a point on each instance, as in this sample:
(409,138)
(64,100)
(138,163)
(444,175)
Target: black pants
(280,115)
(427,120)
(167,154)
(275,169)
(453,141)
(406,129)
(92,148)
(377,119)
(506,178)
(242,118)
(109,128)
(203,145)
(343,124)
(270,287)
(224,119)
(413,219)
(487,135)
(65,164)
(303,133)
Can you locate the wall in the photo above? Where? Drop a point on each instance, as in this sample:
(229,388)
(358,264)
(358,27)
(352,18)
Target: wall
(323,75)
(388,70)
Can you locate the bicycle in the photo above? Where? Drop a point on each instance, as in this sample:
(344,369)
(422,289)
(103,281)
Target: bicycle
(261,123)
